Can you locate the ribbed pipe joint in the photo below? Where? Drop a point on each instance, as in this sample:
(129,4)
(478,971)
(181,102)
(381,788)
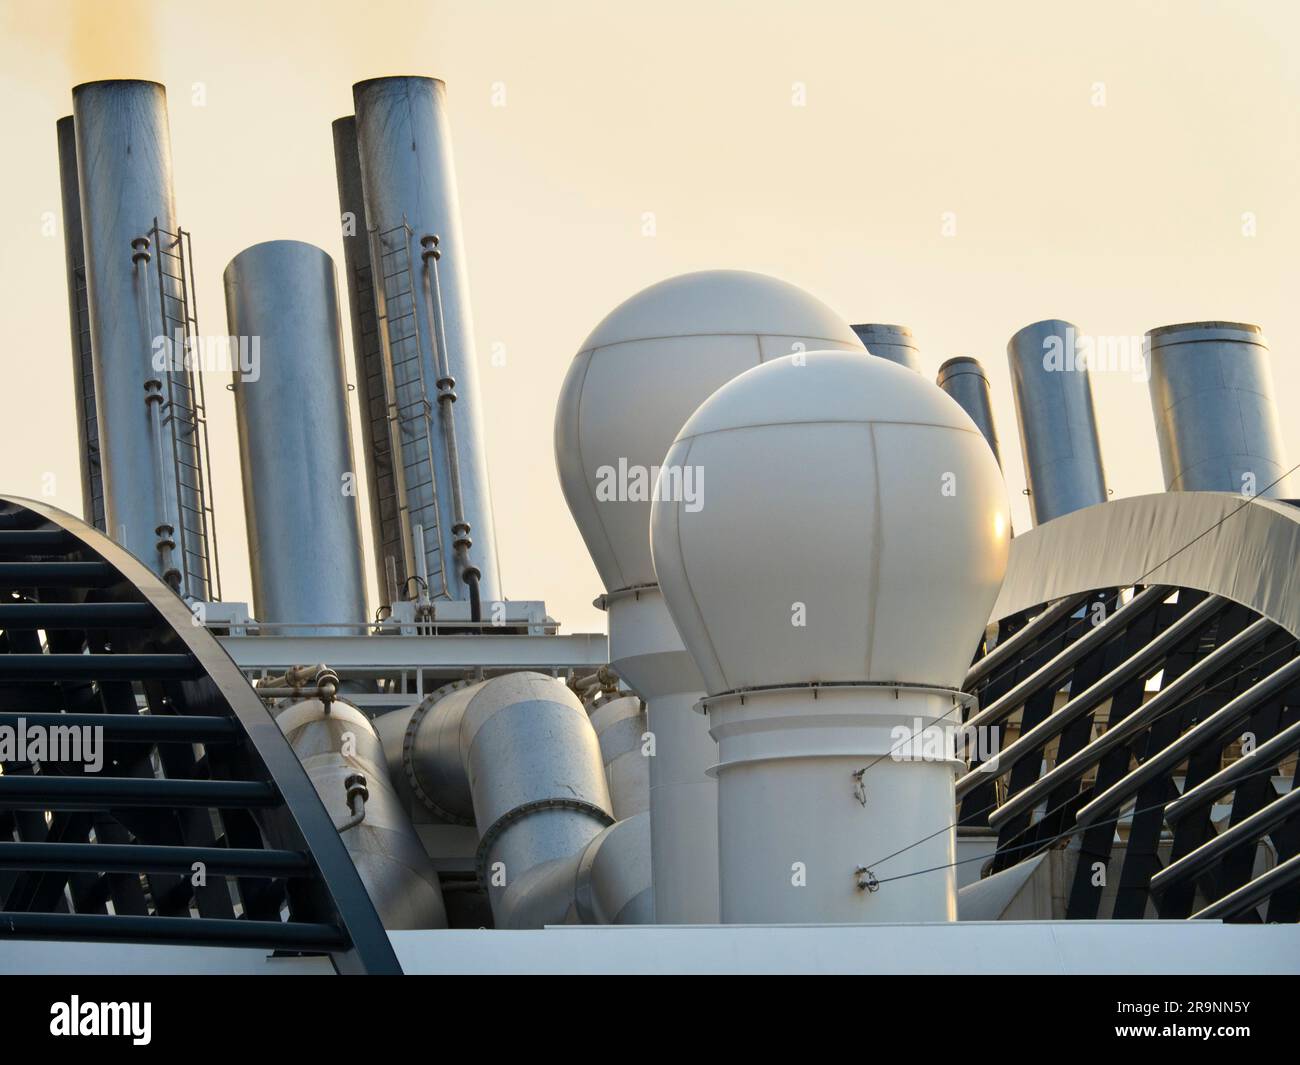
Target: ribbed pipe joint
(600,818)
(430,758)
(883,721)
(535,773)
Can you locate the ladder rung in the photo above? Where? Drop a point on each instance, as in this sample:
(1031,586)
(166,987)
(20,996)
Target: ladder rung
(98,667)
(140,858)
(192,931)
(36,540)
(75,615)
(56,574)
(48,792)
(136,728)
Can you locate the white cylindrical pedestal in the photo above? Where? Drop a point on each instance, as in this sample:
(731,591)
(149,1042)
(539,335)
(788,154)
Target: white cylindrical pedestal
(823,800)
(646,651)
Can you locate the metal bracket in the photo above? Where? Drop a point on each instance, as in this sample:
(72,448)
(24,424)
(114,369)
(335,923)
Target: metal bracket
(866,879)
(860,787)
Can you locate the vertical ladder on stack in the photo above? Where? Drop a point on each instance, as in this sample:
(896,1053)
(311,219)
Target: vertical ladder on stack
(184,415)
(409,408)
(86,385)
(389,548)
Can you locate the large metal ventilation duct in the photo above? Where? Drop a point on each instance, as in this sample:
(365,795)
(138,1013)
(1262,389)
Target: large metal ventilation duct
(421,287)
(1058,428)
(892,342)
(620,725)
(335,745)
(1216,419)
(964,379)
(517,756)
(635,380)
(295,445)
(368,362)
(150,408)
(827,812)
(83,369)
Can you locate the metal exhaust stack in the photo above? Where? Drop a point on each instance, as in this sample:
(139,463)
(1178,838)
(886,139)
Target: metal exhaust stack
(368,361)
(1058,428)
(835,736)
(83,369)
(892,342)
(1216,419)
(964,379)
(295,444)
(422,298)
(138,267)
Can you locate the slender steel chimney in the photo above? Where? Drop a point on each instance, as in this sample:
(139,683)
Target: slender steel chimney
(1058,428)
(422,297)
(304,541)
(83,370)
(892,342)
(138,269)
(368,363)
(1216,419)
(964,379)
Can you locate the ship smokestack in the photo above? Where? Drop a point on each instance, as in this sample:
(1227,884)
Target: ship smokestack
(368,363)
(964,379)
(304,541)
(892,342)
(1058,427)
(421,289)
(138,272)
(1216,418)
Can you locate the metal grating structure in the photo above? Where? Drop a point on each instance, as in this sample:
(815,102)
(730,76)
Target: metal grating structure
(1147,709)
(198,825)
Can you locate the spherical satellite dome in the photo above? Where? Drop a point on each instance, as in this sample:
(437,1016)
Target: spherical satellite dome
(853,528)
(641,373)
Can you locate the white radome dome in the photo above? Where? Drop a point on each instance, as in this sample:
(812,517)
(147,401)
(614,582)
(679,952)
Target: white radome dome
(849,494)
(640,374)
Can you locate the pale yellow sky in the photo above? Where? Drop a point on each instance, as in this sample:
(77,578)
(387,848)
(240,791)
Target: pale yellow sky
(1118,217)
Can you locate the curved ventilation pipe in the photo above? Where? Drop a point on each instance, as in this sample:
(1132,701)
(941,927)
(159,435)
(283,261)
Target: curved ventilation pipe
(1216,419)
(835,785)
(337,745)
(517,756)
(964,379)
(1058,428)
(620,725)
(892,342)
(295,442)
